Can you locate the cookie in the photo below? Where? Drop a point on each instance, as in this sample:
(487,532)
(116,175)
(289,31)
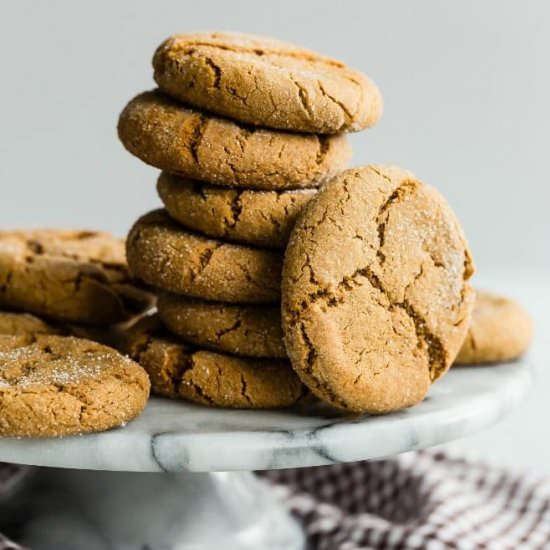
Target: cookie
(177,139)
(54,386)
(258,218)
(375,298)
(164,254)
(24,324)
(249,330)
(500,330)
(74,276)
(266,82)
(178,370)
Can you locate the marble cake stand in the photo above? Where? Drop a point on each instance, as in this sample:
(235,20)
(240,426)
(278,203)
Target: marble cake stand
(199,492)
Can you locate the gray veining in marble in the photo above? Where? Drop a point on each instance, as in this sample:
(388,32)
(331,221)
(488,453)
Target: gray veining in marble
(177,436)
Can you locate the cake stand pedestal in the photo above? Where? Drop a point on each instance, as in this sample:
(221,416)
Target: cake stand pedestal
(178,477)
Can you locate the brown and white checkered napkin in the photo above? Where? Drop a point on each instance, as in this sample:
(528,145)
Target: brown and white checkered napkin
(429,500)
(432,500)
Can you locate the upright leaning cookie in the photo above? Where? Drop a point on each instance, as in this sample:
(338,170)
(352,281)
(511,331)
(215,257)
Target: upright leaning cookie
(500,330)
(176,139)
(376,301)
(166,255)
(259,218)
(58,385)
(178,370)
(266,82)
(75,276)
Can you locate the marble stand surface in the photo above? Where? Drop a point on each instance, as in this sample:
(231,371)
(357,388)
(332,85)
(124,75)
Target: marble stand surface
(128,509)
(177,436)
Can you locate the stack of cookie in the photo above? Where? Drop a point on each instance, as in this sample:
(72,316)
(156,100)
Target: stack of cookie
(245,130)
(54,379)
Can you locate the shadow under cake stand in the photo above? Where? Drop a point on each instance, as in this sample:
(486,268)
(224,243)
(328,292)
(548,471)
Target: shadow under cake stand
(179,476)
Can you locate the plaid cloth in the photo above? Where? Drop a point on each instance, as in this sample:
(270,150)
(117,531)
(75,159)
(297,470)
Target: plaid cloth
(429,500)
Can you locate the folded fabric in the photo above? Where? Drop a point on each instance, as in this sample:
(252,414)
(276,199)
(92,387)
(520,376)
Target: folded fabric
(430,500)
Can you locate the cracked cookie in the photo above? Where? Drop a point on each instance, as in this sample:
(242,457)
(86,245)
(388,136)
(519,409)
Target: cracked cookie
(249,330)
(52,386)
(259,218)
(375,293)
(178,370)
(500,330)
(24,324)
(179,140)
(164,254)
(74,276)
(266,82)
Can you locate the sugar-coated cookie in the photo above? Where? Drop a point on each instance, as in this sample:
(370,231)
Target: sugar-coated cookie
(180,140)
(266,82)
(375,293)
(214,379)
(53,386)
(241,329)
(500,330)
(166,255)
(74,276)
(259,218)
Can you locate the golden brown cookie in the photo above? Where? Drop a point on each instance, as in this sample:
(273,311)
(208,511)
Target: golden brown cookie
(249,330)
(178,370)
(500,330)
(23,324)
(259,218)
(76,276)
(54,386)
(164,254)
(375,298)
(266,82)
(174,138)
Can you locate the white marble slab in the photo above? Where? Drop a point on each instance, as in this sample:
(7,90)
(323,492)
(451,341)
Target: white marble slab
(177,436)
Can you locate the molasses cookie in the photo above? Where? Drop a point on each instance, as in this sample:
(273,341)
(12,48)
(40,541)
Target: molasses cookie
(24,324)
(375,293)
(54,386)
(177,139)
(500,330)
(75,276)
(258,218)
(266,82)
(178,370)
(164,254)
(249,330)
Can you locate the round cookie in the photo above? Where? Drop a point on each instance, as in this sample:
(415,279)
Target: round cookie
(172,137)
(258,218)
(164,254)
(24,324)
(266,82)
(249,330)
(500,330)
(74,276)
(213,379)
(55,386)
(375,298)
(29,326)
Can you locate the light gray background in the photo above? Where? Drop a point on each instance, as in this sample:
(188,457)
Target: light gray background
(467,94)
